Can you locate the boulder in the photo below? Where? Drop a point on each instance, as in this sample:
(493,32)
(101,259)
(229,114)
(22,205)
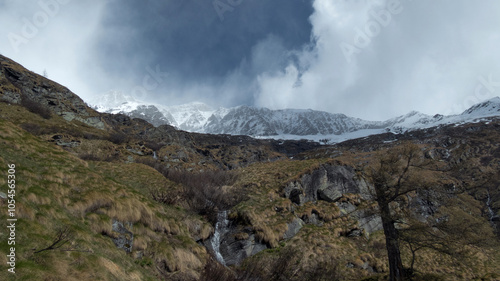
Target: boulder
(124,238)
(235,251)
(236,244)
(328,183)
(293,228)
(312,219)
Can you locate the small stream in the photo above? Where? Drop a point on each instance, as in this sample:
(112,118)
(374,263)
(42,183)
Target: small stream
(221,227)
(491,213)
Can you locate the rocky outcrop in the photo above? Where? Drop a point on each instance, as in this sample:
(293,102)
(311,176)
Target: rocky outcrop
(235,244)
(151,114)
(93,121)
(235,250)
(124,238)
(328,183)
(18,84)
(293,228)
(65,141)
(334,184)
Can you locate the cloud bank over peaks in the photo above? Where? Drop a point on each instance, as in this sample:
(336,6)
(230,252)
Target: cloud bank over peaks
(376,59)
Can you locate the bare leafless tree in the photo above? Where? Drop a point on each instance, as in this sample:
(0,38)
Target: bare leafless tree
(395,175)
(64,237)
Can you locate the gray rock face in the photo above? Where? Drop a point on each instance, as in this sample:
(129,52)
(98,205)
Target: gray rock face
(235,251)
(151,114)
(368,220)
(312,219)
(125,238)
(95,122)
(246,120)
(327,183)
(11,97)
(293,228)
(236,243)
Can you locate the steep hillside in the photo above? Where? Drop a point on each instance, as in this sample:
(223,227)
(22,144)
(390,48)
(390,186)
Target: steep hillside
(113,228)
(18,85)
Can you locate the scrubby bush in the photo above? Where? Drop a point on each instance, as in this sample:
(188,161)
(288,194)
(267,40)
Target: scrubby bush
(33,129)
(89,156)
(214,271)
(118,138)
(164,195)
(91,136)
(36,107)
(151,162)
(205,193)
(153,145)
(283,266)
(37,130)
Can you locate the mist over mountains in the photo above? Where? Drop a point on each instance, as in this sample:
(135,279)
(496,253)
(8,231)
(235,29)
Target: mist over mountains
(280,124)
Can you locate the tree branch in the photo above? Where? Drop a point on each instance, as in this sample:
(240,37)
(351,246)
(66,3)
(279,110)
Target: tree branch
(63,236)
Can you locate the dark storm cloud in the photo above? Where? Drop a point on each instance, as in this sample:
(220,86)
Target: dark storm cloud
(197,41)
(373,59)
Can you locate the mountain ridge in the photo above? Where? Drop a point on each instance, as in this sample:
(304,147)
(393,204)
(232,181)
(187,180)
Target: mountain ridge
(281,123)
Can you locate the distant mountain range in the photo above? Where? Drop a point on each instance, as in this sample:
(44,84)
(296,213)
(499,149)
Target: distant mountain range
(280,124)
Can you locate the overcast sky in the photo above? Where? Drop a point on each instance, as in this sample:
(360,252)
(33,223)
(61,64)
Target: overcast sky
(369,59)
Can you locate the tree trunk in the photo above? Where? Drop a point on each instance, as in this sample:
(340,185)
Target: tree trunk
(396,271)
(413,251)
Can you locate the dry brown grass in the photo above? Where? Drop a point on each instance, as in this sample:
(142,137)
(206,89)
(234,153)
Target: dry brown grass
(267,180)
(98,149)
(56,187)
(118,272)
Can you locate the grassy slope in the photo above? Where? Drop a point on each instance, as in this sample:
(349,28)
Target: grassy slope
(315,244)
(55,188)
(328,243)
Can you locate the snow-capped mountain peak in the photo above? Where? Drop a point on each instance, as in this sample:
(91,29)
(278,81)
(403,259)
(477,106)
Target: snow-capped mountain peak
(412,119)
(191,116)
(283,123)
(113,100)
(487,108)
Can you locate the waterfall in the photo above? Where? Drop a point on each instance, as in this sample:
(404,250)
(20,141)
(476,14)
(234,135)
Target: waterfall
(154,155)
(491,213)
(220,230)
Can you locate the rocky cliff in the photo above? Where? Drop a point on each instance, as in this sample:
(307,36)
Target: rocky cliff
(19,84)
